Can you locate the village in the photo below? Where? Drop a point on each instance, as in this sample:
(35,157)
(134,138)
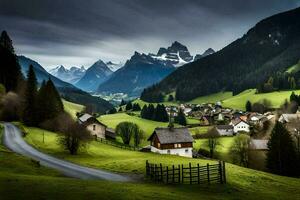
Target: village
(218,122)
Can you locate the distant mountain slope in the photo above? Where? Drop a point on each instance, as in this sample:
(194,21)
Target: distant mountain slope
(270,46)
(139,72)
(95,75)
(40,72)
(71,75)
(67,90)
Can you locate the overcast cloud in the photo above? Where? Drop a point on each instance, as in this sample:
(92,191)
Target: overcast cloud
(79,32)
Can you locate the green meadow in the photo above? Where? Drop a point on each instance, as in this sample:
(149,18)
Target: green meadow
(41,183)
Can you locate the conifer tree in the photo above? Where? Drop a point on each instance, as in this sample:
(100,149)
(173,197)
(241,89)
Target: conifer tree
(248,106)
(128,106)
(180,118)
(30,99)
(282,156)
(10,72)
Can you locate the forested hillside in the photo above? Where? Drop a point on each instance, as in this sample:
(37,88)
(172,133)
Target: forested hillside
(269,47)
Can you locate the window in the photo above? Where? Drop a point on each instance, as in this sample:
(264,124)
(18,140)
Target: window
(179,145)
(187,150)
(175,145)
(168,151)
(158,145)
(94,127)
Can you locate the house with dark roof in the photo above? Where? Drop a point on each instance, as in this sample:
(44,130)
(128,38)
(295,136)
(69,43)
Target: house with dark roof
(225,130)
(95,127)
(175,141)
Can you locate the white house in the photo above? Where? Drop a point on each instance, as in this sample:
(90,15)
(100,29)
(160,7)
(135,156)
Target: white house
(225,130)
(174,141)
(240,125)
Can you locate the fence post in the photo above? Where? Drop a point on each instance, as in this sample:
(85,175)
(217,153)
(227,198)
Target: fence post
(182,174)
(220,172)
(198,170)
(167,174)
(161,173)
(208,178)
(155,167)
(190,165)
(173,174)
(224,172)
(179,174)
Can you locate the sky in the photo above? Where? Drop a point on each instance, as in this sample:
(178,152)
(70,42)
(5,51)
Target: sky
(80,32)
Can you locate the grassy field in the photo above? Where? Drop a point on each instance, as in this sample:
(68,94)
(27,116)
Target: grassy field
(239,101)
(222,150)
(242,183)
(294,69)
(213,98)
(147,126)
(72,108)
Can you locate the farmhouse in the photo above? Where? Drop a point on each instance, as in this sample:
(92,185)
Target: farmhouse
(95,127)
(225,130)
(175,141)
(240,126)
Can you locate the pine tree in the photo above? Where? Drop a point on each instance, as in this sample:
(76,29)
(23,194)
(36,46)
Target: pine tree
(180,118)
(123,103)
(128,106)
(30,108)
(282,156)
(248,106)
(10,72)
(6,42)
(49,102)
(171,97)
(144,112)
(151,112)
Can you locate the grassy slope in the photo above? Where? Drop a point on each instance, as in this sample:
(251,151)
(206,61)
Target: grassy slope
(294,69)
(213,98)
(239,101)
(242,183)
(22,179)
(72,108)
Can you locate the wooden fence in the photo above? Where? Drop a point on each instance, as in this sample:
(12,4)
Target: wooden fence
(116,144)
(181,174)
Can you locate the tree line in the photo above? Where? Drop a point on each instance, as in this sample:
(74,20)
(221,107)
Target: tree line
(157,113)
(23,99)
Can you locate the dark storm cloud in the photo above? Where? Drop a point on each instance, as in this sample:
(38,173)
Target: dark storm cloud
(75,32)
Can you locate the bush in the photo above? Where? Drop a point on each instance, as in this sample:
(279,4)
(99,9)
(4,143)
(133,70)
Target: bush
(11,107)
(204,152)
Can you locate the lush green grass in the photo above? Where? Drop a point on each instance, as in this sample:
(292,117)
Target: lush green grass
(166,103)
(199,130)
(294,69)
(147,126)
(239,101)
(222,149)
(72,108)
(213,98)
(242,183)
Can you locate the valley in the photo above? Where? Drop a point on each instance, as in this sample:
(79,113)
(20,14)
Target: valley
(140,100)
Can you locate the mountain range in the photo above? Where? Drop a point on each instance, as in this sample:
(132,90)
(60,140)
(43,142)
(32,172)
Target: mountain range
(67,90)
(269,47)
(139,71)
(71,75)
(143,70)
(94,76)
